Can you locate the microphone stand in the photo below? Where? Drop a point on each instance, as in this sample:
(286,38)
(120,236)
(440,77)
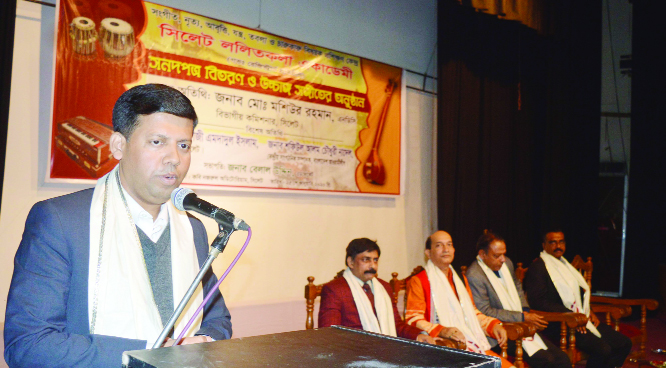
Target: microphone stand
(216,247)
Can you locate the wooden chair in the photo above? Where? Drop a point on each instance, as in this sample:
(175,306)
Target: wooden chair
(613,312)
(312,292)
(609,306)
(400,285)
(515,331)
(569,322)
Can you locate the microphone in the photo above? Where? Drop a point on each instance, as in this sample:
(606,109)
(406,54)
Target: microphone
(185,200)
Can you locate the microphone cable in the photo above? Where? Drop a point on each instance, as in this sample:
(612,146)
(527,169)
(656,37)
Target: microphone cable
(216,287)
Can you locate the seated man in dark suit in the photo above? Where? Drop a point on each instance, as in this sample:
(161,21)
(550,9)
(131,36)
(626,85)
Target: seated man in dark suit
(497,293)
(360,300)
(553,285)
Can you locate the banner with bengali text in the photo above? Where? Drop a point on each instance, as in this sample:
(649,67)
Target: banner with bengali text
(274,113)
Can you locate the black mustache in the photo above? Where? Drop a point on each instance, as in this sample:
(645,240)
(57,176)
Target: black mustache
(558,250)
(372,271)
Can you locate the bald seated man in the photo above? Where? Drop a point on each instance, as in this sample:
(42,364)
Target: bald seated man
(440,302)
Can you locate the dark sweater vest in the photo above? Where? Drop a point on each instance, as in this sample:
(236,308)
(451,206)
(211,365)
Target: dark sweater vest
(157,256)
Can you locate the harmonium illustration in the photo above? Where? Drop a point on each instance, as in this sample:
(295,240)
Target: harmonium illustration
(86,142)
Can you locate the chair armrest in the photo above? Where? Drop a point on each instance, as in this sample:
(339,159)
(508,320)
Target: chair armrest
(514,331)
(616,311)
(570,319)
(451,344)
(651,304)
(529,329)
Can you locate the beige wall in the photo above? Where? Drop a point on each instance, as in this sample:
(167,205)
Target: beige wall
(295,235)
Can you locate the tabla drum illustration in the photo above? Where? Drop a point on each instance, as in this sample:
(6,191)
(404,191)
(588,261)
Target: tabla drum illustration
(117,37)
(83,34)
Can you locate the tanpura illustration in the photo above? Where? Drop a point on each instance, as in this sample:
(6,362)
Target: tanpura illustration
(373,170)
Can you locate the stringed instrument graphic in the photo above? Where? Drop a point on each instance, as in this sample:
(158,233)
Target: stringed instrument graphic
(373,170)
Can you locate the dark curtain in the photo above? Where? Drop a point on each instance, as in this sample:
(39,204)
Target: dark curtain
(7,22)
(645,271)
(518,128)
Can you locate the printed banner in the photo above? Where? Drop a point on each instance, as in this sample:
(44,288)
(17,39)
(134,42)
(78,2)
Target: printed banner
(274,113)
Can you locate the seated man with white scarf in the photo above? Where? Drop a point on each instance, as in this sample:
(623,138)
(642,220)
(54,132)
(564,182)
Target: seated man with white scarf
(497,293)
(100,271)
(552,284)
(360,300)
(437,297)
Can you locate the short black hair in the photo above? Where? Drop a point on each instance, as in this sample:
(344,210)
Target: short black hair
(428,242)
(358,246)
(548,230)
(486,239)
(149,99)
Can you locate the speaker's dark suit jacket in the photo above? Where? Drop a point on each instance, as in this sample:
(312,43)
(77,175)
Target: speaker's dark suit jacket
(46,323)
(338,308)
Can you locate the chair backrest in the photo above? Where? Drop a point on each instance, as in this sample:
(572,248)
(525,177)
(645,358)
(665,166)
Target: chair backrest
(520,271)
(584,268)
(312,292)
(399,285)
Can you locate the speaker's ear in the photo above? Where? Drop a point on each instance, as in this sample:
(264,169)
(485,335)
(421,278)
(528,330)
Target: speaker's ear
(117,143)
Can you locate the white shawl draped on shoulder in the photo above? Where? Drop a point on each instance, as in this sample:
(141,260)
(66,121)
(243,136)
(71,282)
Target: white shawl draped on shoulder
(508,295)
(568,281)
(384,322)
(120,297)
(452,312)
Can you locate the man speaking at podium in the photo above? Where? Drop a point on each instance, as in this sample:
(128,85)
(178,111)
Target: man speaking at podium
(99,272)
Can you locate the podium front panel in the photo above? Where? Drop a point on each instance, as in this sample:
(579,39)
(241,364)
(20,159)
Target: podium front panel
(326,347)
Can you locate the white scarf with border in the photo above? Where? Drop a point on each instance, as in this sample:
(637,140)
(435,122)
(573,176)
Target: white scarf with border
(454,312)
(568,281)
(508,295)
(384,322)
(119,280)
